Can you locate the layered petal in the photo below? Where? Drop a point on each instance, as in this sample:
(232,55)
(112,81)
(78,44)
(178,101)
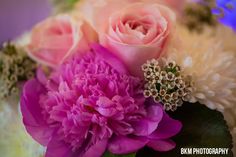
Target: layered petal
(125,145)
(32,112)
(149,124)
(56,38)
(97,150)
(57,148)
(167,128)
(161,145)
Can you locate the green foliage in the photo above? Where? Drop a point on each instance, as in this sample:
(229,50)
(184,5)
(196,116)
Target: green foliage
(64,5)
(202,128)
(196,16)
(15,67)
(108,154)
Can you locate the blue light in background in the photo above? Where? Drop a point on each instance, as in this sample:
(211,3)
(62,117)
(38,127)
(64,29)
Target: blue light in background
(226,11)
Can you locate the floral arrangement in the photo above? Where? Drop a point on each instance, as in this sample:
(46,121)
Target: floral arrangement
(128,78)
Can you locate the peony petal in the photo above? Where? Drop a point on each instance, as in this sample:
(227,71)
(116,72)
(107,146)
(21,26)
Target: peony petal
(161,145)
(58,148)
(155,112)
(97,150)
(125,145)
(144,127)
(31,112)
(167,128)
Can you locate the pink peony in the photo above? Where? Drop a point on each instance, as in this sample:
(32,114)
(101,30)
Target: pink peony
(91,104)
(135,32)
(56,38)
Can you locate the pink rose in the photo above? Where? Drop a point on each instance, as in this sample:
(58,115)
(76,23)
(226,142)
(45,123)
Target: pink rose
(56,38)
(136,32)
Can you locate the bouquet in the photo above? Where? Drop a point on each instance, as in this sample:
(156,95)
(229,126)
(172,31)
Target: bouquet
(130,78)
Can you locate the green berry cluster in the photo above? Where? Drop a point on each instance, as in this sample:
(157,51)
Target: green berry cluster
(15,67)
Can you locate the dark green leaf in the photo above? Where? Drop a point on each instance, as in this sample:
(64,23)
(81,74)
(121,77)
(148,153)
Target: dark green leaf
(202,128)
(108,154)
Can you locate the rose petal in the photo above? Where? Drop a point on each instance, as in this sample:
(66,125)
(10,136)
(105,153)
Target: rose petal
(56,38)
(161,145)
(125,145)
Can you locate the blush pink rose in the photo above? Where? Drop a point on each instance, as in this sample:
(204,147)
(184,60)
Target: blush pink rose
(56,38)
(135,32)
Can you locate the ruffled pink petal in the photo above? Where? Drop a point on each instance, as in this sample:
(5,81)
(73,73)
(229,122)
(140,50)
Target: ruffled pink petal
(31,111)
(167,128)
(97,150)
(125,145)
(161,145)
(132,55)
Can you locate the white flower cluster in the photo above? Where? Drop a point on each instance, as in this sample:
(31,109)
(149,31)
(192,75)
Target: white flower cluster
(213,69)
(16,140)
(210,58)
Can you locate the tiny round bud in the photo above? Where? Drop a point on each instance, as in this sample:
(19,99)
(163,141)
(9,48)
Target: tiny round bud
(179,102)
(162,92)
(171,85)
(178,80)
(167,97)
(154,92)
(148,73)
(163,74)
(174,107)
(180,92)
(171,64)
(181,85)
(157,99)
(167,106)
(145,67)
(157,69)
(174,95)
(170,76)
(147,93)
(177,68)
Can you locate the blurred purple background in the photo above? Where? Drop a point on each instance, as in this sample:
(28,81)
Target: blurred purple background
(18,16)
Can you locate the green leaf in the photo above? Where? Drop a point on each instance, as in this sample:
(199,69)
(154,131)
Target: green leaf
(202,128)
(108,154)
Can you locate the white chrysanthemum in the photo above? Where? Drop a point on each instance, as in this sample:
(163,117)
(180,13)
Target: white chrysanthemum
(14,139)
(227,36)
(230,117)
(213,69)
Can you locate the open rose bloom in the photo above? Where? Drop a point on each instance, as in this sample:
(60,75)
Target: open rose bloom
(57,38)
(135,30)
